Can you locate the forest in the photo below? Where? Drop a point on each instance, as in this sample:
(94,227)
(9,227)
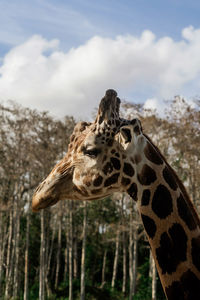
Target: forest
(82,250)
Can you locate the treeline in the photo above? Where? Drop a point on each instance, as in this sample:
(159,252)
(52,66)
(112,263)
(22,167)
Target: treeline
(81,250)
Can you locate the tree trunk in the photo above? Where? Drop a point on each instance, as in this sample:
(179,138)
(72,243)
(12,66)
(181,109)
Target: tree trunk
(82,296)
(51,250)
(75,256)
(124,264)
(66,258)
(17,251)
(103,269)
(59,245)
(115,260)
(26,265)
(154,281)
(131,256)
(42,259)
(70,251)
(49,262)
(9,247)
(3,242)
(1,247)
(123,218)
(135,258)
(153,275)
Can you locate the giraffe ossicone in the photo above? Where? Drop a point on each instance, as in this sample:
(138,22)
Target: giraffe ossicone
(113,154)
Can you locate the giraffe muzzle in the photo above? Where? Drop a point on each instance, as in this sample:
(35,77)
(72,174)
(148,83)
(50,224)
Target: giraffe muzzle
(40,203)
(50,191)
(44,197)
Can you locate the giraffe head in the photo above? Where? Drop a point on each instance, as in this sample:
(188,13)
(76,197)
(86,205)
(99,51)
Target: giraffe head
(98,159)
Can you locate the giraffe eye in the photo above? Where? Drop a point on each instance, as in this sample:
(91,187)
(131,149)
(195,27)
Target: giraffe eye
(91,152)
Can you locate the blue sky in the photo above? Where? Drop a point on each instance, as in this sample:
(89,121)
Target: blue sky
(73,22)
(64,32)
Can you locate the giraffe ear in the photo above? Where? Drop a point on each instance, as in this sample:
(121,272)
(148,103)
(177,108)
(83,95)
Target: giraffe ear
(126,136)
(130,132)
(126,133)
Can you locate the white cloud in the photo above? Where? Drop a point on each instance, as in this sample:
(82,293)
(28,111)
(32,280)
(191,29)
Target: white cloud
(38,74)
(151,104)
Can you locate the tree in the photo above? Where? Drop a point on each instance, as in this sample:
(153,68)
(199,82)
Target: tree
(83,251)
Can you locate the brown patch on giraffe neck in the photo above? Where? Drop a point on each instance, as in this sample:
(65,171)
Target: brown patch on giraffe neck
(187,288)
(111,180)
(108,168)
(98,181)
(173,249)
(178,182)
(195,252)
(125,181)
(128,169)
(152,155)
(169,178)
(149,225)
(162,203)
(185,213)
(147,175)
(146,194)
(132,191)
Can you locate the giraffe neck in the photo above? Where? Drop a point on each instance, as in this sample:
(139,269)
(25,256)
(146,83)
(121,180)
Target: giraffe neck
(170,221)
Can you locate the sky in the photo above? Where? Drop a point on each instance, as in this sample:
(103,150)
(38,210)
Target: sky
(62,55)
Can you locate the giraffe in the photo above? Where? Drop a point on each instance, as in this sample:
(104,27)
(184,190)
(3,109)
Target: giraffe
(113,154)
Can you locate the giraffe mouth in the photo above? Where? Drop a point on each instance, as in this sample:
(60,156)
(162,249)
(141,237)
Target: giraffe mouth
(50,191)
(38,204)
